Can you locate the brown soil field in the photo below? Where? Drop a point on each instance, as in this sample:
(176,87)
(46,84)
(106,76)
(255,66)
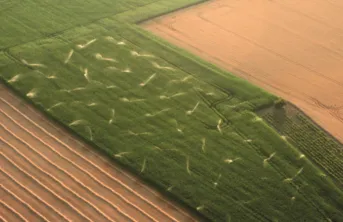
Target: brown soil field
(291,48)
(46,174)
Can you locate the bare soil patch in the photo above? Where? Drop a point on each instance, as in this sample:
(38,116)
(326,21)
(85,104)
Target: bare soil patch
(293,48)
(48,175)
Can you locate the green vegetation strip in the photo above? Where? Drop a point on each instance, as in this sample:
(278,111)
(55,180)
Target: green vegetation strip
(309,138)
(177,121)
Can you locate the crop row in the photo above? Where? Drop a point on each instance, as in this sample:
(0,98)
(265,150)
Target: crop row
(313,143)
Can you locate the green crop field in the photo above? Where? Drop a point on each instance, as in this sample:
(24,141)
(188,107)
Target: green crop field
(324,151)
(187,127)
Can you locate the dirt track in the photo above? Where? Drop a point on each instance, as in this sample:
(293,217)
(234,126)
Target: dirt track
(292,48)
(47,175)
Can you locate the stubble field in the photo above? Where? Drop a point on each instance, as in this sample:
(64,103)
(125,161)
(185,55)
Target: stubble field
(291,48)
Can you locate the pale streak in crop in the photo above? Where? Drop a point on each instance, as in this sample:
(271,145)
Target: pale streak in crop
(86,75)
(92,104)
(98,56)
(65,90)
(15,78)
(265,161)
(77,122)
(56,105)
(148,80)
(190,112)
(111,87)
(177,127)
(301,156)
(113,112)
(32,64)
(121,43)
(203,140)
(72,90)
(299,172)
(201,207)
(90,133)
(156,65)
(110,38)
(124,99)
(78,89)
(134,53)
(127,70)
(119,155)
(257,119)
(51,77)
(219,126)
(138,134)
(156,113)
(185,79)
(217,181)
(172,96)
(80,46)
(112,68)
(321,174)
(156,148)
(187,166)
(229,161)
(33,93)
(71,52)
(143,166)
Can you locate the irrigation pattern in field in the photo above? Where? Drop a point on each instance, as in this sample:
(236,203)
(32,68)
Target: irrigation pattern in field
(192,137)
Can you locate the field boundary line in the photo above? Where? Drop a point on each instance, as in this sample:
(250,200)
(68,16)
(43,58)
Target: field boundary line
(23,202)
(110,176)
(38,182)
(13,211)
(198,2)
(221,73)
(75,179)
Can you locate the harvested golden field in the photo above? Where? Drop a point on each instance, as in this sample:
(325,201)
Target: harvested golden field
(291,48)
